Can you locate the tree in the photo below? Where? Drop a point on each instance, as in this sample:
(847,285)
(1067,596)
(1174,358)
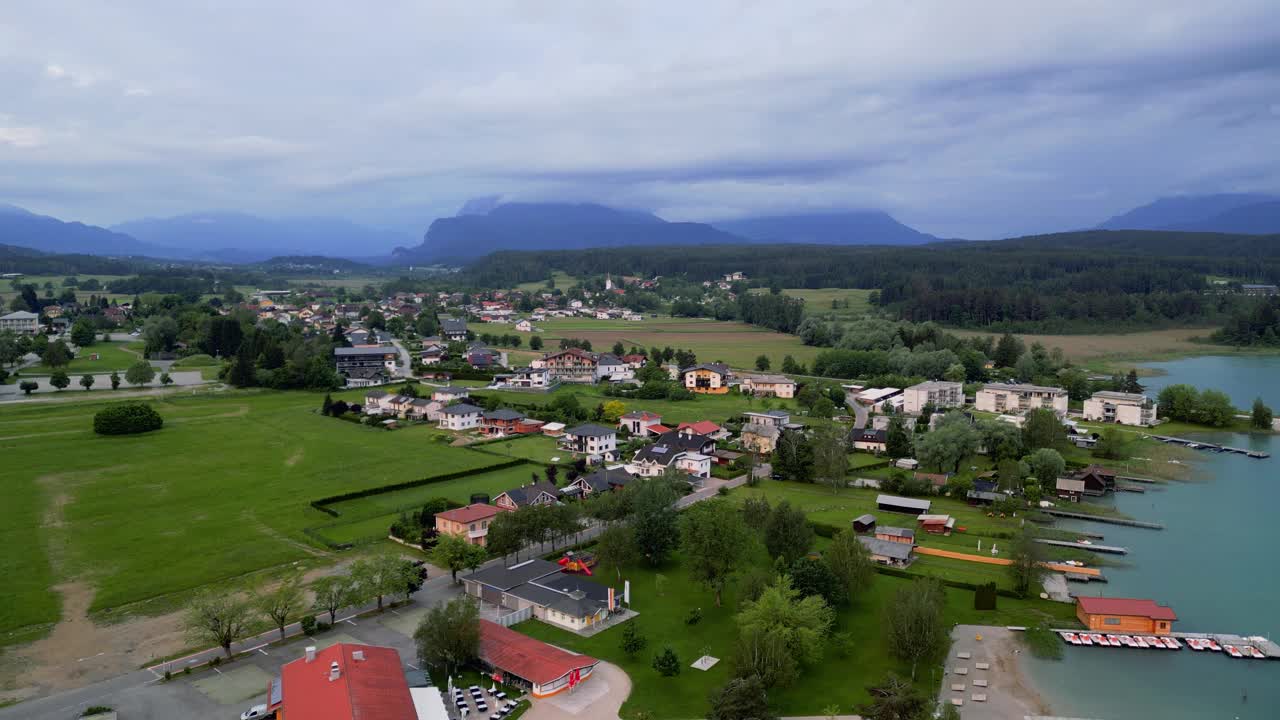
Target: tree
(1042,429)
(1046,465)
(895,699)
(1026,368)
(761,653)
(793,457)
(242,369)
(1110,445)
(897,439)
(56,355)
(165,380)
(1260,418)
(788,535)
(802,623)
(159,332)
(535,343)
(956,372)
(448,637)
(813,576)
(282,602)
(850,562)
(953,440)
(1026,568)
(384,575)
(762,362)
(830,457)
(1179,402)
(28,386)
(613,410)
(632,641)
(218,619)
(742,698)
(332,593)
(1215,409)
(506,535)
(60,379)
(667,663)
(790,366)
(914,625)
(83,334)
(127,418)
(714,540)
(86,381)
(654,518)
(1001,439)
(1131,384)
(455,553)
(1008,350)
(615,547)
(140,373)
(115,380)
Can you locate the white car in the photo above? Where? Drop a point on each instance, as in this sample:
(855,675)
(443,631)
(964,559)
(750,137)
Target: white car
(255,712)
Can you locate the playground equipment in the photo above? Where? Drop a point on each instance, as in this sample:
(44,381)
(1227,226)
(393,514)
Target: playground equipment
(577,562)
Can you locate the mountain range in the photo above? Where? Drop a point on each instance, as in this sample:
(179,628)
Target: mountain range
(853,227)
(1244,213)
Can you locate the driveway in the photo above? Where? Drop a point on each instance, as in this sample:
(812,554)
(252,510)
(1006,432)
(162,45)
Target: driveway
(598,698)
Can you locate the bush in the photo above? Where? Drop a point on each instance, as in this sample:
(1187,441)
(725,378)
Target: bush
(984,597)
(127,419)
(308,625)
(694,617)
(667,663)
(215,661)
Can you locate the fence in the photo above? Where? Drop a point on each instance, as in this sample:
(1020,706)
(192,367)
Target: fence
(515,617)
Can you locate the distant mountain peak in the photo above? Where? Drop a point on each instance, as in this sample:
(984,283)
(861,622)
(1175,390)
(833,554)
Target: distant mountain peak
(482,205)
(1178,211)
(830,227)
(7,209)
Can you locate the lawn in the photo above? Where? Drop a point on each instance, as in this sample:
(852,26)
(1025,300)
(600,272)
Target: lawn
(562,279)
(817,301)
(717,408)
(836,680)
(222,490)
(737,344)
(111,356)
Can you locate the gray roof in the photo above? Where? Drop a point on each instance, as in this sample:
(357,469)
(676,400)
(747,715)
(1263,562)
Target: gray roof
(451,390)
(364,351)
(542,583)
(903,502)
(1070,485)
(713,367)
(20,315)
(610,359)
(522,496)
(894,531)
(1023,387)
(591,430)
(462,409)
(503,414)
(505,578)
(893,550)
(453,325)
(865,519)
(376,394)
(602,480)
(769,431)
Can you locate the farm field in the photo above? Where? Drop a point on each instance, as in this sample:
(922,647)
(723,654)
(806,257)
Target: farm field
(7,292)
(737,344)
(817,301)
(111,356)
(1097,349)
(562,279)
(138,518)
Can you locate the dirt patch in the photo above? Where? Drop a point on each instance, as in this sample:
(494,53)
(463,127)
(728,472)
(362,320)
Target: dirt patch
(295,458)
(1007,652)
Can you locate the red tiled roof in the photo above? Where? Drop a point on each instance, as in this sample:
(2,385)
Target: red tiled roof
(471,513)
(659,429)
(519,654)
(1125,606)
(370,689)
(702,427)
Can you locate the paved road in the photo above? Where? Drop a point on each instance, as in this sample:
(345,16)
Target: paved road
(406,359)
(860,414)
(101,381)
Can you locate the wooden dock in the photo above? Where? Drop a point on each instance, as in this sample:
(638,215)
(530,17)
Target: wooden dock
(1211,447)
(1267,647)
(1130,488)
(1112,549)
(1102,519)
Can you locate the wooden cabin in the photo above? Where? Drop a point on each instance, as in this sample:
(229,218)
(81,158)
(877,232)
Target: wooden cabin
(1124,615)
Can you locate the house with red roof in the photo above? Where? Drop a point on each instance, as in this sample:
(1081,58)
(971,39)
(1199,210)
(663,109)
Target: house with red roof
(704,427)
(640,422)
(1124,615)
(343,682)
(470,522)
(524,662)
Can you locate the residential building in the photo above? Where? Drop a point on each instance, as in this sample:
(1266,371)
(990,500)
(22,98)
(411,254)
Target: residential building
(501,422)
(345,681)
(528,378)
(365,363)
(938,393)
(424,409)
(543,493)
(1069,489)
(1123,408)
(611,368)
(373,401)
(571,365)
(1097,480)
(602,480)
(454,329)
(568,601)
(590,439)
(888,553)
(520,660)
(774,418)
(524,326)
(397,405)
(460,417)
(470,522)
(20,321)
(706,378)
(1020,398)
(449,393)
(1264,290)
(779,386)
(760,439)
(705,427)
(910,506)
(640,422)
(680,449)
(872,441)
(1124,615)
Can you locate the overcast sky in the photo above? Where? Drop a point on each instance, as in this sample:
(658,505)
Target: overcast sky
(970,119)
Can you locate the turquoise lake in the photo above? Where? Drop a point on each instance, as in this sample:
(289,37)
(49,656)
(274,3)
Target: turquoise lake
(1214,563)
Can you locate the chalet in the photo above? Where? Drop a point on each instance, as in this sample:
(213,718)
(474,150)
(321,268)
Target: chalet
(603,480)
(910,506)
(501,422)
(571,602)
(1123,408)
(936,524)
(590,439)
(572,365)
(1069,489)
(449,393)
(706,378)
(433,354)
(680,449)
(367,363)
(470,523)
(779,386)
(1098,480)
(345,681)
(543,493)
(1020,398)
(872,441)
(760,439)
(776,418)
(864,523)
(635,361)
(939,394)
(453,329)
(530,664)
(460,417)
(611,368)
(640,422)
(1124,615)
(888,553)
(895,534)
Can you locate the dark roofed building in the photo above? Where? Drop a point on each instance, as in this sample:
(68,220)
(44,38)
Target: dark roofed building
(602,480)
(543,493)
(864,523)
(884,552)
(911,506)
(562,599)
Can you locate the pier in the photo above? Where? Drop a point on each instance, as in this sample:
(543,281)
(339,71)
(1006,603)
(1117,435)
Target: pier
(1112,549)
(1130,488)
(1211,447)
(1102,519)
(1222,643)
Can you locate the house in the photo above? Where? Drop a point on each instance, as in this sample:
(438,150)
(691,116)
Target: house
(895,534)
(1020,398)
(20,321)
(1123,408)
(543,493)
(636,361)
(433,354)
(453,329)
(1124,615)
(460,417)
(1097,480)
(373,401)
(888,553)
(1069,489)
(1262,290)
(706,378)
(910,506)
(876,398)
(779,386)
(872,441)
(590,439)
(345,681)
(397,405)
(470,522)
(864,523)
(776,418)
(479,356)
(424,409)
(936,524)
(640,422)
(568,601)
(681,449)
(935,480)
(501,422)
(449,393)
(553,429)
(705,427)
(603,480)
(572,365)
(365,363)
(938,393)
(760,439)
(524,326)
(529,378)
(611,368)
(522,661)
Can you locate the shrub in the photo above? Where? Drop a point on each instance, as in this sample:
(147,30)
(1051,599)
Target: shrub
(127,419)
(308,625)
(667,663)
(694,617)
(215,661)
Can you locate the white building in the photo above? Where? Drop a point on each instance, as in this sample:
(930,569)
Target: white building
(1122,408)
(590,439)
(1004,398)
(938,393)
(460,417)
(20,321)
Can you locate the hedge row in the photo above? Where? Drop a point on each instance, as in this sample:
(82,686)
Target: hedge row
(958,584)
(381,489)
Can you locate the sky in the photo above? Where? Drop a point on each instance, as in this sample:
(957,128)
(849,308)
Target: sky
(962,119)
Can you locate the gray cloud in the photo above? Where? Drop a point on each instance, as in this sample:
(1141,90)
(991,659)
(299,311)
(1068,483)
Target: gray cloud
(963,119)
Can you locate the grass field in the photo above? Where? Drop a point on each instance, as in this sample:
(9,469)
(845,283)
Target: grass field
(111,356)
(563,281)
(222,490)
(7,292)
(818,301)
(737,344)
(703,407)
(1109,352)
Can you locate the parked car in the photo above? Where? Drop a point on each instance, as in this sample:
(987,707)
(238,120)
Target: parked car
(257,712)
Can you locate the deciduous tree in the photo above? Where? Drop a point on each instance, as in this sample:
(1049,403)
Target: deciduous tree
(830,457)
(742,698)
(448,637)
(86,381)
(788,535)
(217,618)
(914,625)
(802,623)
(140,373)
(60,379)
(714,540)
(654,518)
(281,602)
(333,593)
(455,553)
(1260,417)
(1026,557)
(849,560)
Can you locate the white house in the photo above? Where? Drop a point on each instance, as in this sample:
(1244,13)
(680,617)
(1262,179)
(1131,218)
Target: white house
(449,393)
(1122,408)
(530,378)
(1020,398)
(460,417)
(590,439)
(612,368)
(641,422)
(524,326)
(20,321)
(938,393)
